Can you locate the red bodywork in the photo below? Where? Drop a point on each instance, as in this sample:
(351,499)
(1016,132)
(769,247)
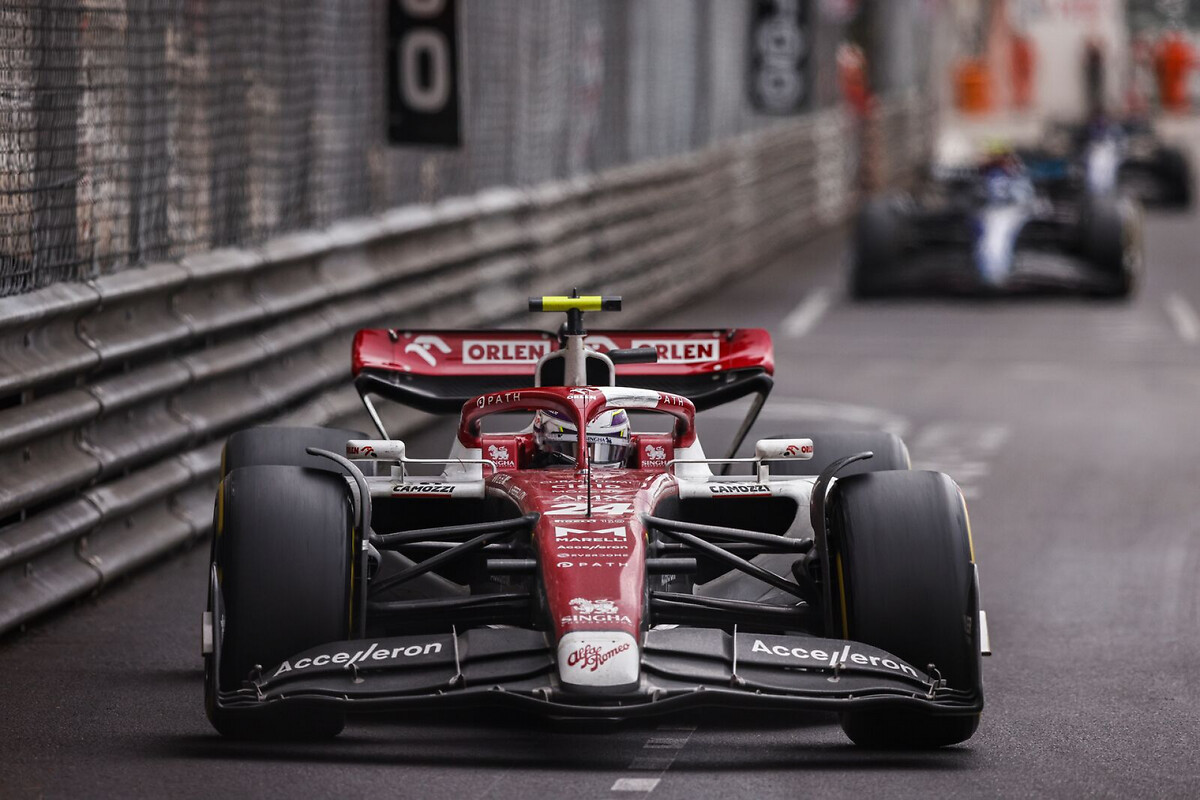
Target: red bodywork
(593,567)
(490,353)
(592,557)
(593,564)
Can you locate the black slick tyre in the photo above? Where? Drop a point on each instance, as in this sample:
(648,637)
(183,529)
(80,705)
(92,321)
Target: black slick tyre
(283,548)
(1111,241)
(904,581)
(889,449)
(877,244)
(1176,173)
(284,446)
(1161,180)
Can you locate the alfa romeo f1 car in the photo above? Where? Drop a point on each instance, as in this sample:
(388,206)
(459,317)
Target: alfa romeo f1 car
(997,229)
(577,567)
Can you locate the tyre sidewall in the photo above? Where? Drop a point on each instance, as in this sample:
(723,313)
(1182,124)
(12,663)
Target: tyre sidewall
(283,546)
(284,446)
(904,571)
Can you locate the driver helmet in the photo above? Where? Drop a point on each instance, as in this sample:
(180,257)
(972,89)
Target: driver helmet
(1003,175)
(1000,160)
(607,437)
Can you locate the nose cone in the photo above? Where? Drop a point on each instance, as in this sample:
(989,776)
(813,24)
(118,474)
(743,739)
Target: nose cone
(604,660)
(996,246)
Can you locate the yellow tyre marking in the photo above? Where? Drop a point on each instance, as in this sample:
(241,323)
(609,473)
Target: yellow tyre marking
(220,509)
(967,516)
(842,592)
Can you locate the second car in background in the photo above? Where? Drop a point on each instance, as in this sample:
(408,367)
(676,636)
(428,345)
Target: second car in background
(998,227)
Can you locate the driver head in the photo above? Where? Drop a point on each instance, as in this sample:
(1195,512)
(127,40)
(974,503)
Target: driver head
(607,437)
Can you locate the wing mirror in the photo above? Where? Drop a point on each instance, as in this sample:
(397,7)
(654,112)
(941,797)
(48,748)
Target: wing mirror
(766,450)
(375,450)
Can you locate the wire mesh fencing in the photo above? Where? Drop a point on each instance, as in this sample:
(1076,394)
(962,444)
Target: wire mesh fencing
(133,131)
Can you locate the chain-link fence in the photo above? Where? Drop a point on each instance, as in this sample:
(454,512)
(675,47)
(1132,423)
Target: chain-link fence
(133,131)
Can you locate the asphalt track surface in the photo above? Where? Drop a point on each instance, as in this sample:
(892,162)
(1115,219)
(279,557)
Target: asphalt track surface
(1072,426)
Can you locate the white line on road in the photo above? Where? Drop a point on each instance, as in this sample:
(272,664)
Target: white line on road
(805,316)
(659,763)
(665,743)
(810,410)
(635,784)
(1183,317)
(961,450)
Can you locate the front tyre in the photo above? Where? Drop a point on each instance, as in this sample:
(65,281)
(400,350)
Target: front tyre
(1171,171)
(878,240)
(1111,231)
(284,446)
(904,581)
(283,549)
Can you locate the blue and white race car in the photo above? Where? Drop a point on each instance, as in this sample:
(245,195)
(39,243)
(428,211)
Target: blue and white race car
(998,228)
(1123,155)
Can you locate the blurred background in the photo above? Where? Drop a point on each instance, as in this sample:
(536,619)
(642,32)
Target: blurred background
(139,132)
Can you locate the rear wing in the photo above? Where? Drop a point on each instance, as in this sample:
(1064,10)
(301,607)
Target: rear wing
(437,371)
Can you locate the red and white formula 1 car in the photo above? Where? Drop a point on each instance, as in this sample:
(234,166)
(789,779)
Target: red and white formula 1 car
(581,568)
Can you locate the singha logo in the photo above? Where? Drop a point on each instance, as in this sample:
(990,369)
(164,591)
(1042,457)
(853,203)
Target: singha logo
(655,453)
(498,453)
(582,605)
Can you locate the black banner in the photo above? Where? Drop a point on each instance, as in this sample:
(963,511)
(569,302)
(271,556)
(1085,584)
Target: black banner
(780,46)
(422,69)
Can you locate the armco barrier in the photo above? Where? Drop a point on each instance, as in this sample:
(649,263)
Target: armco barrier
(116,394)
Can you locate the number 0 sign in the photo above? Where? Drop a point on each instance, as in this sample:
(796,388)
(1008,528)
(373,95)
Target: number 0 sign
(422,70)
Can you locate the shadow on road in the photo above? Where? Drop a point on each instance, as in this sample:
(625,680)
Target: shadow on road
(482,740)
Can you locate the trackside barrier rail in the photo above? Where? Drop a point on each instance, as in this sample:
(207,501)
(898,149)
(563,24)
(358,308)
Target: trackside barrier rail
(116,394)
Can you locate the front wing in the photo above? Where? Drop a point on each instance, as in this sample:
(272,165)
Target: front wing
(954,272)
(681,668)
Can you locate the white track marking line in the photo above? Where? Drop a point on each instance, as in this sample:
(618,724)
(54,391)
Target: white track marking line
(810,410)
(657,763)
(664,743)
(635,784)
(1183,317)
(804,317)
(961,450)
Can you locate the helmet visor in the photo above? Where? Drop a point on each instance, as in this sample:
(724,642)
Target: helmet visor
(603,451)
